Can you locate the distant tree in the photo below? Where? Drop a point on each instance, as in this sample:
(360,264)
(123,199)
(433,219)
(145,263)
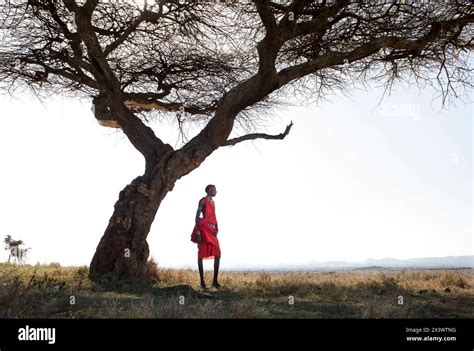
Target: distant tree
(15,249)
(219,66)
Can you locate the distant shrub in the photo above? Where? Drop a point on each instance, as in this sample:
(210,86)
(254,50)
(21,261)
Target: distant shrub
(264,281)
(390,283)
(48,284)
(450,279)
(80,275)
(151,274)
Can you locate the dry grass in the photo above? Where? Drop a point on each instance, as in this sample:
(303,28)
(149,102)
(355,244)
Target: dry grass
(66,292)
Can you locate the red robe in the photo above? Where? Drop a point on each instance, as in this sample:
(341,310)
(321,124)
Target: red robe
(209,245)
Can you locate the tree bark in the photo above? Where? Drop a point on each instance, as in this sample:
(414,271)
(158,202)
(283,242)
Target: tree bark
(123,250)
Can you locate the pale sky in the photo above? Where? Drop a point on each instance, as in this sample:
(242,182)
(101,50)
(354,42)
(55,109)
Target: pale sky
(353,180)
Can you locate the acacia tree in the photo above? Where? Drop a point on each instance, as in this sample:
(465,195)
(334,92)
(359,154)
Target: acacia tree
(218,65)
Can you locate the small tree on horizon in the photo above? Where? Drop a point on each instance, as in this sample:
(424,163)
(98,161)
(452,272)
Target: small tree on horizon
(15,249)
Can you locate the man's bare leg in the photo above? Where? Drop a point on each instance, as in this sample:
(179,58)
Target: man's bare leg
(217,261)
(201,273)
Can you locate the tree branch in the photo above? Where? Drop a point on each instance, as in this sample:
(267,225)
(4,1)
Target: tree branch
(141,102)
(266,15)
(318,23)
(112,46)
(437,30)
(269,46)
(140,135)
(281,136)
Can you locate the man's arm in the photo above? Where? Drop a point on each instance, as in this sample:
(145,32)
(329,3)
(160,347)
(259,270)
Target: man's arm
(200,209)
(201,204)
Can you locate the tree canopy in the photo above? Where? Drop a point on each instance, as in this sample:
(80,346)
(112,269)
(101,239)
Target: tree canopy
(184,57)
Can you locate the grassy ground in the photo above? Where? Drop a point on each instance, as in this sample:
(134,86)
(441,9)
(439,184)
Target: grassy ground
(66,292)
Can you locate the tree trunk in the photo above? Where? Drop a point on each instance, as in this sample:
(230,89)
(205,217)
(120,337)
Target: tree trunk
(123,250)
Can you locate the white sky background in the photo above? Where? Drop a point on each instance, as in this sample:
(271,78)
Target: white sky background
(352,181)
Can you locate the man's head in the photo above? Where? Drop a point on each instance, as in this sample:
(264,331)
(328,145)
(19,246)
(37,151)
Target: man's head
(211,190)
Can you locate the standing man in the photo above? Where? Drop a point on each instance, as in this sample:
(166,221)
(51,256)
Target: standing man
(205,235)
